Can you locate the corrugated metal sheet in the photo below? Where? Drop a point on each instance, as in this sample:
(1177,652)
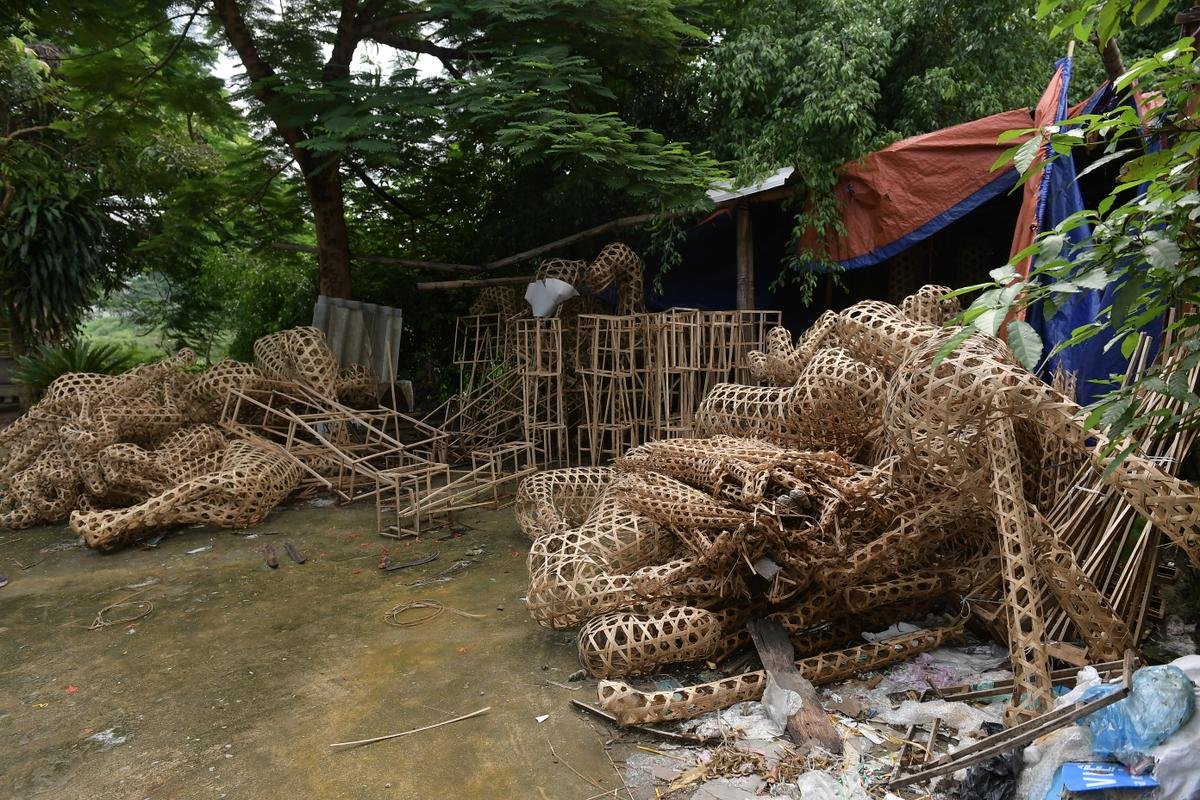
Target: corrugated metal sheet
(723,193)
(361,333)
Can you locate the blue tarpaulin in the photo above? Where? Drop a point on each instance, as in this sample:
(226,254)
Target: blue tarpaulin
(1094,362)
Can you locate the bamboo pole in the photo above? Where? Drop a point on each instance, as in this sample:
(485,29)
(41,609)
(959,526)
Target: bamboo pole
(622,222)
(436,266)
(429,286)
(745,259)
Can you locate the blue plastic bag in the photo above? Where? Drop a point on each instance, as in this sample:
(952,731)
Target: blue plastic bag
(1162,701)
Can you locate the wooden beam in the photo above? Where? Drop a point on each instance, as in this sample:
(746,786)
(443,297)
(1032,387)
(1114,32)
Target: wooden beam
(622,222)
(808,726)
(477,283)
(435,266)
(745,259)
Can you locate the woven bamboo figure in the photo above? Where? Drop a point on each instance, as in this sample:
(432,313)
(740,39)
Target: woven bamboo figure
(929,304)
(300,355)
(624,644)
(559,498)
(783,360)
(247,484)
(835,402)
(101,443)
(874,483)
(502,300)
(1105,635)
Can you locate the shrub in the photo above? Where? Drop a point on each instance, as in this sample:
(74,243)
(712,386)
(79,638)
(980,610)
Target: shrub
(38,369)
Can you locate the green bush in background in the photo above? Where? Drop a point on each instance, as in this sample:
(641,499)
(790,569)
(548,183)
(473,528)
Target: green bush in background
(38,369)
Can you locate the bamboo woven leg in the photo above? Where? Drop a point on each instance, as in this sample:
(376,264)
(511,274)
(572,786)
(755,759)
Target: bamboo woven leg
(1032,693)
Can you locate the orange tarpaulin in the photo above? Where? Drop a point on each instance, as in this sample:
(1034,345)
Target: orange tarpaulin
(1046,114)
(897,196)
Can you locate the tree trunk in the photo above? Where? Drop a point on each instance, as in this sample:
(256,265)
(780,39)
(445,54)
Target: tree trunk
(18,345)
(323,180)
(1110,54)
(329,216)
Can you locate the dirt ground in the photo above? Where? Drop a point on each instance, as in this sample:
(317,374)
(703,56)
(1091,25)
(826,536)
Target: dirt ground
(241,676)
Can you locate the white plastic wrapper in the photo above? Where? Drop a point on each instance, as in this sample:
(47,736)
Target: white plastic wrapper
(780,703)
(546,296)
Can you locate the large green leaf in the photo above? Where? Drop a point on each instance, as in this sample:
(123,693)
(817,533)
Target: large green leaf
(1025,343)
(1162,253)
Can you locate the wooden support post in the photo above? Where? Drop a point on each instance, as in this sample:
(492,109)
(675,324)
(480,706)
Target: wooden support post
(745,259)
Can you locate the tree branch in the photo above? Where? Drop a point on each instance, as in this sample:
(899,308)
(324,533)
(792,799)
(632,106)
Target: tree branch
(163,62)
(369,11)
(412,45)
(384,195)
(452,68)
(345,40)
(23,132)
(133,38)
(384,25)
(261,74)
(436,266)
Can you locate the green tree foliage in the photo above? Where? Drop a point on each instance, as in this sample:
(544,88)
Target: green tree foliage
(814,85)
(1143,238)
(522,80)
(115,145)
(56,245)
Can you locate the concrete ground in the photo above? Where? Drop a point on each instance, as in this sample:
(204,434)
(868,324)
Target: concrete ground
(240,677)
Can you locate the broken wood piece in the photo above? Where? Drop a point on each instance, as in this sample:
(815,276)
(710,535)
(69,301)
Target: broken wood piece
(414,730)
(293,553)
(1059,677)
(933,732)
(904,754)
(808,725)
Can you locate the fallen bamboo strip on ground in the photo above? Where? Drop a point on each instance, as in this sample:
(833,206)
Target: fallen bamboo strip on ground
(414,730)
(691,738)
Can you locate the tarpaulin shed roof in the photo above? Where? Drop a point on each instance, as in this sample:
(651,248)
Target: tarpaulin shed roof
(897,196)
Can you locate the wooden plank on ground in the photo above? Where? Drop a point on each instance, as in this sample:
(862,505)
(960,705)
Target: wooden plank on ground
(809,725)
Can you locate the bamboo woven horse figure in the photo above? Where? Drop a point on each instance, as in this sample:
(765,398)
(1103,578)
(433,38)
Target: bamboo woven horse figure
(958,423)
(235,489)
(874,332)
(835,403)
(502,300)
(639,573)
(56,444)
(98,441)
(300,355)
